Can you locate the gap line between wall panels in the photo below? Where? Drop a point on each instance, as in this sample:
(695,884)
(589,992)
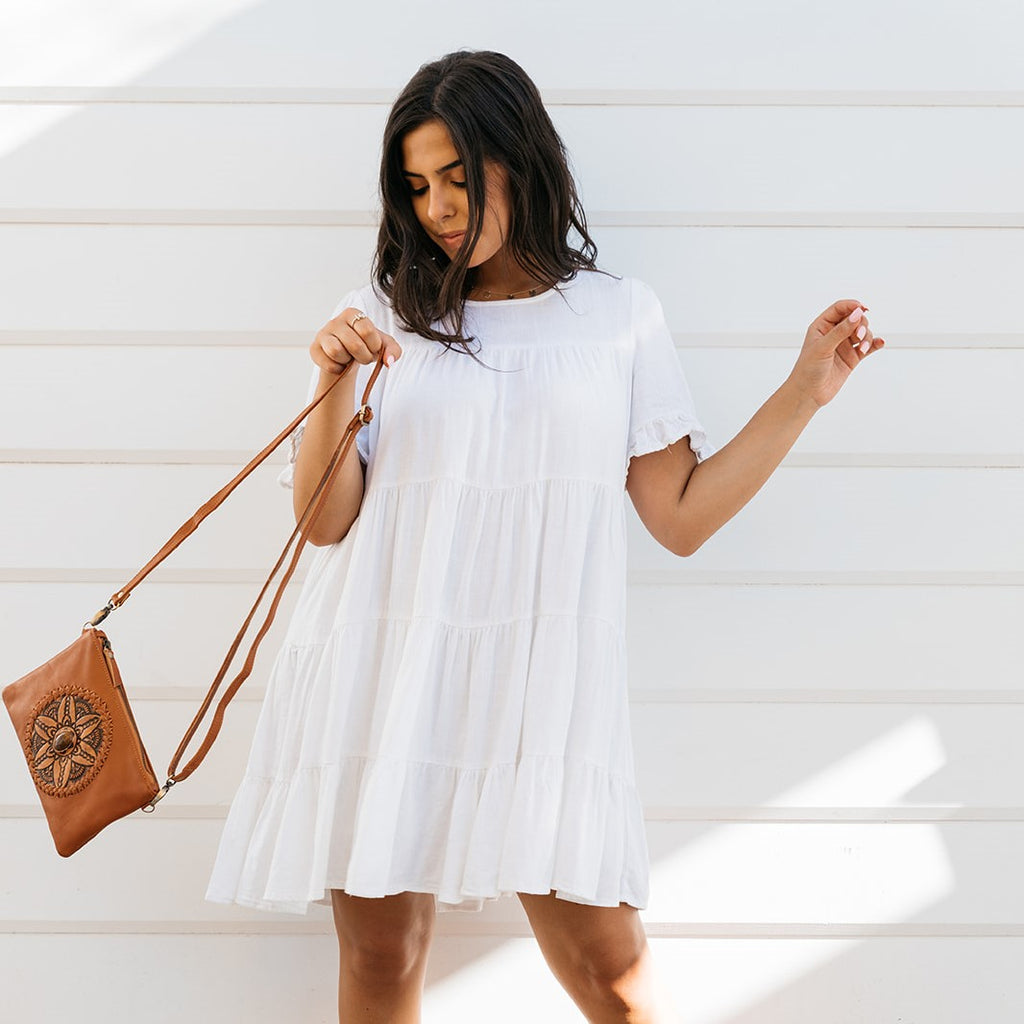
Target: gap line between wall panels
(237,459)
(255,694)
(579,97)
(598,218)
(463,927)
(299,340)
(767,695)
(682,577)
(725,695)
(755,815)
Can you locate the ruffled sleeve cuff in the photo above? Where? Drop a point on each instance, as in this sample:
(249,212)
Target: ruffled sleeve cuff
(286,478)
(663,431)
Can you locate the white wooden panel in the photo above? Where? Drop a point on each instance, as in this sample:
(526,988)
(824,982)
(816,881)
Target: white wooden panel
(325,157)
(257,157)
(825,639)
(709,279)
(140,868)
(828,756)
(795,640)
(853,520)
(921,873)
(781,279)
(277,43)
(692,759)
(268,979)
(70,398)
(729,981)
(123,515)
(120,397)
(147,631)
(145,868)
(165,979)
(809,519)
(769,158)
(178,278)
(920,401)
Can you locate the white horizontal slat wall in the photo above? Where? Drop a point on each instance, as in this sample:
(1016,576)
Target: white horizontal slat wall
(825,698)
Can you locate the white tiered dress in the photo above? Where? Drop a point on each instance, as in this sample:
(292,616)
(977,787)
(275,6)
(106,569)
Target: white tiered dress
(448,712)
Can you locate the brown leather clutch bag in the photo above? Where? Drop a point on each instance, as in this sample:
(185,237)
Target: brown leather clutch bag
(72,714)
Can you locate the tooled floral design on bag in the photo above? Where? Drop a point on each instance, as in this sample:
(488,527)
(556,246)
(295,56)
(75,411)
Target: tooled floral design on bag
(68,741)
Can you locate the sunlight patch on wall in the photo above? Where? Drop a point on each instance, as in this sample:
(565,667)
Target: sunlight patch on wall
(795,873)
(878,774)
(20,124)
(717,989)
(66,42)
(508,985)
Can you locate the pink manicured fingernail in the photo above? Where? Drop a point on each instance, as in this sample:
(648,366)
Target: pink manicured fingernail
(861,331)
(864,346)
(390,359)
(856,315)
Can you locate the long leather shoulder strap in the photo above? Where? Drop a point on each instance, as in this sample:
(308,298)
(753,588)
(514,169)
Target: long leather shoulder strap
(303,528)
(192,523)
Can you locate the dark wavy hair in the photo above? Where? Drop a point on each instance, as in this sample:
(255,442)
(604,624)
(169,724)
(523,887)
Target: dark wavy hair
(492,110)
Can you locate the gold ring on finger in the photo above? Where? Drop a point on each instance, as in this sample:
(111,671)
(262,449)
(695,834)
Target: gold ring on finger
(359,316)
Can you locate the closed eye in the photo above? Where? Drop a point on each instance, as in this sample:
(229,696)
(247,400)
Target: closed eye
(422,191)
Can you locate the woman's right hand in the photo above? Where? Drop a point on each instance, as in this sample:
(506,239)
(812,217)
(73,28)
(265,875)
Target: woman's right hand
(338,342)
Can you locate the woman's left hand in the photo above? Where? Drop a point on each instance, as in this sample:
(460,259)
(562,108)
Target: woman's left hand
(831,351)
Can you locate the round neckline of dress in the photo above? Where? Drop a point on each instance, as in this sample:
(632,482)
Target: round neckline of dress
(526,301)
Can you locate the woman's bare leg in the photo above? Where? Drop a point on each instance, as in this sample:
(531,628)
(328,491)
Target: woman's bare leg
(601,958)
(383,946)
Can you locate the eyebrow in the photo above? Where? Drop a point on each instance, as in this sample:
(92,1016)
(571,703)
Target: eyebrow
(440,170)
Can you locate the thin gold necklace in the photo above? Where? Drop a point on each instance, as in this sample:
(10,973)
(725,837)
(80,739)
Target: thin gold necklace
(525,293)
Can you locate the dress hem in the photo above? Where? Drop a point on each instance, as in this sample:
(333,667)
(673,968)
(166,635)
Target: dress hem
(469,902)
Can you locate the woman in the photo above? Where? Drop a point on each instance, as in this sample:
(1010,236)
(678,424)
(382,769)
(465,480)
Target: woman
(447,720)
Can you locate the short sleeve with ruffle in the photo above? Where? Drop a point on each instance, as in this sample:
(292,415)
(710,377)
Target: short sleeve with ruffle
(662,409)
(286,478)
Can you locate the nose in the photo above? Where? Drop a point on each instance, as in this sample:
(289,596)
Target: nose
(439,206)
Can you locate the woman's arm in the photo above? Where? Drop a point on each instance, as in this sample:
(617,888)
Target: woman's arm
(348,336)
(323,430)
(723,483)
(683,502)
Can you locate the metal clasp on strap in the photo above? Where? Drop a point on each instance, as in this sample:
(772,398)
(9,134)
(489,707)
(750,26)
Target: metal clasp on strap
(160,795)
(115,602)
(99,616)
(365,416)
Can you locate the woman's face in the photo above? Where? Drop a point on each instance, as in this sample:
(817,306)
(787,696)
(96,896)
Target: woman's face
(437,184)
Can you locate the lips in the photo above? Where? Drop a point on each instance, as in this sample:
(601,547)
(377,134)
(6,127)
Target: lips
(451,237)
